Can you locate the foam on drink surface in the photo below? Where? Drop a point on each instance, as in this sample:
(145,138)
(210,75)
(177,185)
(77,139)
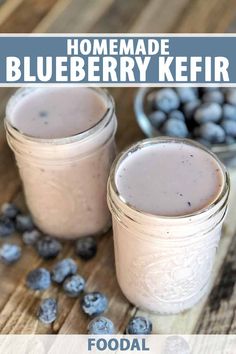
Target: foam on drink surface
(52,113)
(169,179)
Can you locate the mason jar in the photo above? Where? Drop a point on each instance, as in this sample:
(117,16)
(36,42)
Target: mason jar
(164,263)
(64,179)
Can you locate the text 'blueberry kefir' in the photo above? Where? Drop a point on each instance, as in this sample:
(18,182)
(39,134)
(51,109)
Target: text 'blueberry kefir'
(168,199)
(63,140)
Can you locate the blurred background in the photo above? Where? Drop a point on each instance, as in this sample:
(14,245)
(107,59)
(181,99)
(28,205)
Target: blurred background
(72,16)
(97,16)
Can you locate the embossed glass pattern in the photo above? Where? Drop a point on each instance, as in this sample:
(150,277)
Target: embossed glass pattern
(164,264)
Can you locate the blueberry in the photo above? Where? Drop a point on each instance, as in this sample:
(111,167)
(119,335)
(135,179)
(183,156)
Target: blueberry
(229,127)
(213,96)
(47,312)
(43,114)
(38,279)
(190,107)
(212,133)
(175,127)
(157,118)
(10,253)
(101,325)
(208,112)
(31,237)
(10,210)
(176,115)
(48,247)
(166,100)
(231,96)
(186,94)
(94,304)
(139,325)
(86,247)
(74,285)
(7,226)
(62,269)
(229,111)
(24,223)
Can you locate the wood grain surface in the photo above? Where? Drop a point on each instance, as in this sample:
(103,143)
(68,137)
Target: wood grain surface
(18,305)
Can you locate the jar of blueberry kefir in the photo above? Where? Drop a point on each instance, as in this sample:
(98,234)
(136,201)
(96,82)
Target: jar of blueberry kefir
(168,198)
(63,141)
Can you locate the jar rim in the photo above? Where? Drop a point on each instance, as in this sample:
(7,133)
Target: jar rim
(112,187)
(103,121)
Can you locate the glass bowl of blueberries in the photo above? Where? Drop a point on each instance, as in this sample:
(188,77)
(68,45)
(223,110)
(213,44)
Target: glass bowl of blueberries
(204,114)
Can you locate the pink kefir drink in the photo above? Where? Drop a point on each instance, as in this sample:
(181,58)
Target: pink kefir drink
(63,140)
(168,199)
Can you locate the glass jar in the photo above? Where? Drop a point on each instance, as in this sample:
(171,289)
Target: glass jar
(65,179)
(164,264)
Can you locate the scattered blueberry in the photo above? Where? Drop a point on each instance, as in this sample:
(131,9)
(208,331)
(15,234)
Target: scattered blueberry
(139,325)
(31,237)
(229,111)
(47,312)
(10,210)
(24,223)
(213,96)
(166,100)
(86,247)
(231,96)
(48,247)
(94,304)
(186,94)
(212,133)
(7,226)
(74,285)
(190,107)
(157,118)
(63,269)
(208,112)
(10,253)
(229,127)
(38,279)
(177,115)
(175,127)
(101,325)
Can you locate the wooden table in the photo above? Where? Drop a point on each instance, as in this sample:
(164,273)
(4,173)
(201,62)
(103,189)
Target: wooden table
(18,305)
